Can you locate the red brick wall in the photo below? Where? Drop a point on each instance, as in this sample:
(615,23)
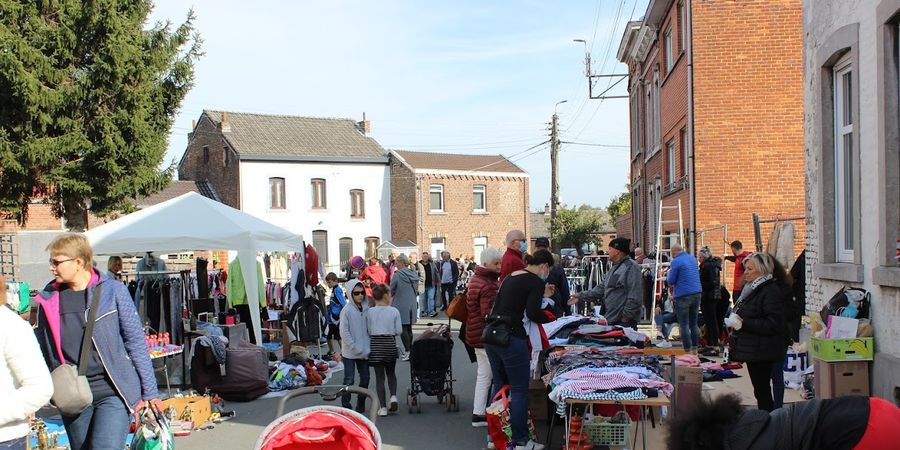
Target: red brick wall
(507,209)
(404,204)
(226,180)
(748,112)
(624,227)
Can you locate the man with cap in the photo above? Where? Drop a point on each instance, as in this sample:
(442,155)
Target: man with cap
(622,290)
(557,278)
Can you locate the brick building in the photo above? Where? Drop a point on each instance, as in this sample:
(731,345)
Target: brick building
(852,105)
(716,118)
(461,203)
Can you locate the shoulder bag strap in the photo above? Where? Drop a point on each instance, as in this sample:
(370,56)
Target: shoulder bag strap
(89,331)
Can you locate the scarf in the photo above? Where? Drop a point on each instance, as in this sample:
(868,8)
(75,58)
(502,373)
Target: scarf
(749,288)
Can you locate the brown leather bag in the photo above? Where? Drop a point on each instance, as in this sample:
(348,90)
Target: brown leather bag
(457,308)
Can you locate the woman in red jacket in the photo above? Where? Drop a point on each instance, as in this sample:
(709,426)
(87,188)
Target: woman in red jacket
(480,296)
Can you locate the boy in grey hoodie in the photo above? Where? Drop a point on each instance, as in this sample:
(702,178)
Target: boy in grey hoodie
(355,345)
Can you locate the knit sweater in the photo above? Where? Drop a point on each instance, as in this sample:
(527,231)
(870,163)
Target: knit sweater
(25,384)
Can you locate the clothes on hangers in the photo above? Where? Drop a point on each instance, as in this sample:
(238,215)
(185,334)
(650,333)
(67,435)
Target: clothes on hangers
(237,293)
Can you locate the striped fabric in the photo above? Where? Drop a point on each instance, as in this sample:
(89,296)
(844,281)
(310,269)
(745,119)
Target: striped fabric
(384,349)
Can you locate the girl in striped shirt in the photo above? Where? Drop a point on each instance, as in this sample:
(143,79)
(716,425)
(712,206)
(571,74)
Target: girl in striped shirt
(384,326)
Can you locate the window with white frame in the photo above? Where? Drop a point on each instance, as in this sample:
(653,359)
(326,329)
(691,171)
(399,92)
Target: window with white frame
(345,248)
(478,246)
(479,198)
(652,117)
(683,143)
(670,167)
(317,187)
(276,193)
(635,122)
(845,159)
(357,203)
(670,53)
(436,197)
(682,26)
(438,245)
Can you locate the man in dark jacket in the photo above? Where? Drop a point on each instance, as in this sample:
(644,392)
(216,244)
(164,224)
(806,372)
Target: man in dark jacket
(557,278)
(838,423)
(710,281)
(448,271)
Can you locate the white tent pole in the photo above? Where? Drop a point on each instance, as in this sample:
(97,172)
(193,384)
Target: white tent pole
(247,258)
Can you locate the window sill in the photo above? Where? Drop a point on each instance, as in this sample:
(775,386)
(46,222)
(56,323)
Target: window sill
(318,209)
(277,210)
(848,272)
(480,213)
(886,276)
(672,69)
(437,213)
(357,218)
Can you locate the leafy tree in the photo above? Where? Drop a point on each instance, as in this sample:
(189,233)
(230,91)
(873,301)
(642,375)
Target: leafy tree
(619,205)
(87,99)
(576,227)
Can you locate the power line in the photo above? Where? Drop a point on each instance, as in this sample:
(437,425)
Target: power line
(595,145)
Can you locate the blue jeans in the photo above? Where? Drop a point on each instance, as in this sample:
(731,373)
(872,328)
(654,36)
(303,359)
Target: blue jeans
(687,308)
(361,366)
(15,444)
(510,365)
(664,319)
(427,300)
(103,425)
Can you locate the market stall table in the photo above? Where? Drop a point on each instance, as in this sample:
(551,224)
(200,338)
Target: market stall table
(643,405)
(165,365)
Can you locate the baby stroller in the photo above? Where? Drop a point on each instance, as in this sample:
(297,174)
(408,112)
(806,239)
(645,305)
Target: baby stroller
(431,370)
(322,427)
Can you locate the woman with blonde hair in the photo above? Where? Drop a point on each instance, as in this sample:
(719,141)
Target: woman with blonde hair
(25,383)
(118,368)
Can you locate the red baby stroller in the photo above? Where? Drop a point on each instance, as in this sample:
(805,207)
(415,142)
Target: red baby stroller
(322,427)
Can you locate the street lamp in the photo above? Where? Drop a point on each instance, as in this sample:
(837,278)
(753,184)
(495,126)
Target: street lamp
(587,57)
(557,104)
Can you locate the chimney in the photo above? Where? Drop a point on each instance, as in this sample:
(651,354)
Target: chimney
(225,127)
(546,209)
(364,127)
(193,127)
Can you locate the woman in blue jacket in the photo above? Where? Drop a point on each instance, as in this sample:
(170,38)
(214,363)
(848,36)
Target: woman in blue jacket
(118,368)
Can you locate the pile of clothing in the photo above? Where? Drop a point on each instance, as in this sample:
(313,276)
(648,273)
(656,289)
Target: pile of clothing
(712,371)
(604,374)
(297,371)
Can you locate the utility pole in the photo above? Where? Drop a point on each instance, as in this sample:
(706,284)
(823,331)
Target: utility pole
(554,167)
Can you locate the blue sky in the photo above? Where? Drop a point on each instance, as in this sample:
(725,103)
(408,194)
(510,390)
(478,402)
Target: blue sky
(462,77)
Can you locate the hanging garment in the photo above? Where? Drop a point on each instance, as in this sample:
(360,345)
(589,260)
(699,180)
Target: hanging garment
(237,292)
(785,248)
(202,278)
(312,266)
(772,245)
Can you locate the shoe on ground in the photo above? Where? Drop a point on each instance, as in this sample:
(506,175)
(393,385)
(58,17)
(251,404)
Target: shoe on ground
(405,356)
(382,412)
(479,421)
(395,405)
(664,344)
(531,445)
(434,314)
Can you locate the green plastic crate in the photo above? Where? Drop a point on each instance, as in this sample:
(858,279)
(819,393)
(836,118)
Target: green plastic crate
(855,349)
(605,433)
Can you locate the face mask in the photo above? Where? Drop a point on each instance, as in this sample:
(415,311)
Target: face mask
(544,276)
(523,246)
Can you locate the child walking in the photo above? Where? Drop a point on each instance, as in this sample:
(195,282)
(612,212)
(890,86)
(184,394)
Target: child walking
(355,345)
(384,327)
(336,303)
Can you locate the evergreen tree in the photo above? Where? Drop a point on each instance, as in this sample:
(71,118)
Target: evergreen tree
(88,96)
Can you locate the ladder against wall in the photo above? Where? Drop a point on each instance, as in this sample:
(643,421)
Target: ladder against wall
(9,250)
(664,243)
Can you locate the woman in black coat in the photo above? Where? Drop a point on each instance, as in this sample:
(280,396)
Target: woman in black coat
(758,323)
(710,281)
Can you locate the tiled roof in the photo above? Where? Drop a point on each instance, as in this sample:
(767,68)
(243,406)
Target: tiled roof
(177,188)
(273,136)
(458,162)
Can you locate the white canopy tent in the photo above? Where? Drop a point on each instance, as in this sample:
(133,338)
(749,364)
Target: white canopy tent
(193,222)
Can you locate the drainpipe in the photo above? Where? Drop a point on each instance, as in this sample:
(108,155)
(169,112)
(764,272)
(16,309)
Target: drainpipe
(421,212)
(690,94)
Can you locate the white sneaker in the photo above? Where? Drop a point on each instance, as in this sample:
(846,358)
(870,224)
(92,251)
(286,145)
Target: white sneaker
(395,404)
(405,356)
(382,412)
(531,445)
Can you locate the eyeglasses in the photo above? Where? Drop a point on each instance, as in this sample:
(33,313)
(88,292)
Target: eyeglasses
(55,263)
(355,293)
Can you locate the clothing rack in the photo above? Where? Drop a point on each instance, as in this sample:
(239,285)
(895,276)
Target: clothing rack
(757,233)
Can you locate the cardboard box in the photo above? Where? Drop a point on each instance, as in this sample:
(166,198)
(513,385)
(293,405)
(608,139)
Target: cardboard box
(538,401)
(855,349)
(200,408)
(837,379)
(688,386)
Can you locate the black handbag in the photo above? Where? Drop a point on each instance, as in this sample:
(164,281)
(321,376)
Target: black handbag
(496,330)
